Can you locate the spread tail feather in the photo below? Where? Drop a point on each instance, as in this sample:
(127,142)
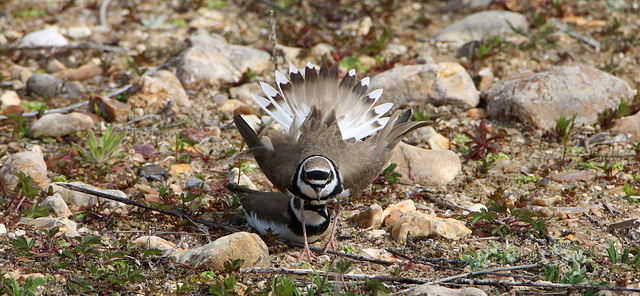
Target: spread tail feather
(299,94)
(397,127)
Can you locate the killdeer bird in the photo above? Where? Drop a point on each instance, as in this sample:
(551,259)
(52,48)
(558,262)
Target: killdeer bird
(333,142)
(281,213)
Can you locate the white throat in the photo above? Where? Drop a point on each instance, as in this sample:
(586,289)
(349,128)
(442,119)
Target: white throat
(312,218)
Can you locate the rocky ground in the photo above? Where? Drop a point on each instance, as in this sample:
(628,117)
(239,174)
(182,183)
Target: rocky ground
(526,181)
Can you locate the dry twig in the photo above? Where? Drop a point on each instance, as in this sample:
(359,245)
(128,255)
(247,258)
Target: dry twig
(141,205)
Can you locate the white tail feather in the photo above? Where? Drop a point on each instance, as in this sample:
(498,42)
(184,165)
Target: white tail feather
(357,117)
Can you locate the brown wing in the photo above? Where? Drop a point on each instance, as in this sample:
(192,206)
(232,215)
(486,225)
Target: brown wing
(271,206)
(363,161)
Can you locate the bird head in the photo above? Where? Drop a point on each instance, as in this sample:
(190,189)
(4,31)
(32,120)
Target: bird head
(316,178)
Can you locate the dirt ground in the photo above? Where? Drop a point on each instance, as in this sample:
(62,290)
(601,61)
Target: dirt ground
(566,228)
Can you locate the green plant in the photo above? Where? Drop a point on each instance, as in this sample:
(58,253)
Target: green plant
(484,258)
(500,218)
(26,186)
(379,43)
(216,4)
(486,164)
(376,287)
(348,249)
(23,245)
(539,37)
(9,285)
(103,152)
(423,115)
(625,257)
(282,286)
(630,192)
(608,117)
(391,176)
(563,130)
(37,211)
(21,126)
(607,167)
(528,179)
(353,62)
(490,45)
(224,285)
(477,260)
(33,13)
(129,62)
(233,266)
(462,140)
(395,270)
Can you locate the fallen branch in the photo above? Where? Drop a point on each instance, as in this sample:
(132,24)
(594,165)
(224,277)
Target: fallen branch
(141,205)
(343,254)
(273,270)
(417,261)
(82,46)
(544,285)
(480,272)
(57,110)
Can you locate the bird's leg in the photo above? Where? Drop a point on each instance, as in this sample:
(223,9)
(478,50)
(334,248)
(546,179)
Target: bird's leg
(331,241)
(306,250)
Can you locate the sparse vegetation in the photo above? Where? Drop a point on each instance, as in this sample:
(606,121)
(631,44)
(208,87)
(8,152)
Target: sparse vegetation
(544,205)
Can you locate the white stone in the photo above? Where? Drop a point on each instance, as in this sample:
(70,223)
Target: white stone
(9,98)
(79,32)
(48,37)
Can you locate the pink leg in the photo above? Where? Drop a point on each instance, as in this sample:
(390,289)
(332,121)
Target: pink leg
(306,250)
(331,241)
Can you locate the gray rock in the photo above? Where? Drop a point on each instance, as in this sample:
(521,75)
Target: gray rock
(435,140)
(58,207)
(427,225)
(240,245)
(30,163)
(629,125)
(48,37)
(78,200)
(369,217)
(213,60)
(428,290)
(111,110)
(44,85)
(160,90)
(153,172)
(57,124)
(438,84)
(426,167)
(236,177)
(195,183)
(67,227)
(541,99)
(155,242)
(322,50)
(482,24)
(245,92)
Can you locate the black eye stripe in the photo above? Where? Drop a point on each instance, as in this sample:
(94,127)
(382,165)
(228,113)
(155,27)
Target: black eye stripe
(317,175)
